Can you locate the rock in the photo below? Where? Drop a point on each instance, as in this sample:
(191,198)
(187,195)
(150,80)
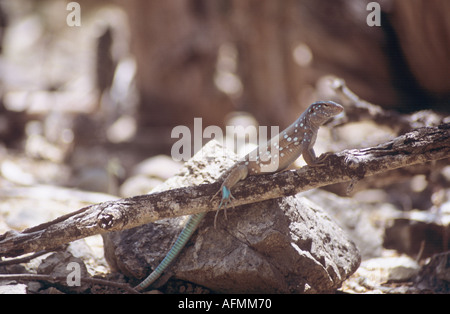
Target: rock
(435,275)
(138,185)
(161,166)
(13,289)
(387,275)
(66,265)
(94,179)
(419,231)
(387,269)
(34,287)
(356,218)
(148,174)
(285,245)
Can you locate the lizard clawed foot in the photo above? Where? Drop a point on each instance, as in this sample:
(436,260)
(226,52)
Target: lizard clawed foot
(320,161)
(324,156)
(226,200)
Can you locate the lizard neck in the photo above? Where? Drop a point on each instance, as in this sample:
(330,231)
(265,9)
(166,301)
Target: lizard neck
(309,123)
(314,126)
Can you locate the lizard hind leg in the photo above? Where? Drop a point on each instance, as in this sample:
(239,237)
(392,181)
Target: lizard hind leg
(225,201)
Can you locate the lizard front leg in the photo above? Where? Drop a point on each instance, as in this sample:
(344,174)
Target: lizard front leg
(311,160)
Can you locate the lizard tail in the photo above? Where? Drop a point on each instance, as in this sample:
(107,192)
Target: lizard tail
(178,246)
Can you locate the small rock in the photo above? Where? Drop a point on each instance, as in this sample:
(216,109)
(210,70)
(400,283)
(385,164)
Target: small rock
(161,166)
(435,275)
(60,265)
(51,290)
(95,179)
(34,286)
(13,289)
(388,269)
(138,185)
(419,231)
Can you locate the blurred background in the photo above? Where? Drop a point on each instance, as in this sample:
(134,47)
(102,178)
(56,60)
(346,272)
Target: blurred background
(135,69)
(92,107)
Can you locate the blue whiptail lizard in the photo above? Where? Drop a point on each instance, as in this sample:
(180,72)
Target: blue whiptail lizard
(278,153)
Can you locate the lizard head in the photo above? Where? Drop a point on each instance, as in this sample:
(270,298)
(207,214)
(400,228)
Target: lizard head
(321,111)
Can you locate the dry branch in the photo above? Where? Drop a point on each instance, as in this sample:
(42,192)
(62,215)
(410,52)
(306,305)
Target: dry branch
(357,109)
(418,146)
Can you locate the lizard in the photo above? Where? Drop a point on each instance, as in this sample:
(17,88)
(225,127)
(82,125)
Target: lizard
(276,155)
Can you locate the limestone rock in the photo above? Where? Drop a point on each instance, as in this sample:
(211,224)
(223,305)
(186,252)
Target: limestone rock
(285,245)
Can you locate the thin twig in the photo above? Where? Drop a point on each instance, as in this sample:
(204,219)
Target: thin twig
(53,279)
(23,259)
